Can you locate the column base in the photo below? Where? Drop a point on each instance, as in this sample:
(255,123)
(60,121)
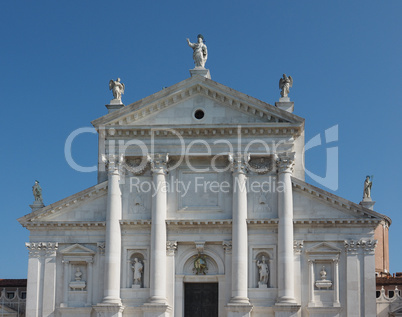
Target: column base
(286,300)
(74,311)
(286,310)
(108,310)
(111,301)
(238,309)
(324,311)
(156,310)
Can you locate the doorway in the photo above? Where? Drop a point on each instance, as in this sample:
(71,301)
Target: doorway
(200,299)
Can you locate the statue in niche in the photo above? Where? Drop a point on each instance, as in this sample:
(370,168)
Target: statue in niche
(263,271)
(323,282)
(78,283)
(37,192)
(78,274)
(200,52)
(263,203)
(137,270)
(117,88)
(367,188)
(200,264)
(284,84)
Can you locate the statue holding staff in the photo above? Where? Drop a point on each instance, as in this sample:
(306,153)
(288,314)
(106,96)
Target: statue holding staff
(200,52)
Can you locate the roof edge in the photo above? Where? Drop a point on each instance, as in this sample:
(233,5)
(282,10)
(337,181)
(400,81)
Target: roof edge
(337,200)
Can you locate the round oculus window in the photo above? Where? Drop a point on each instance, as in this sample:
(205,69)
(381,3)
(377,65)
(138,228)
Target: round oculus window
(199,114)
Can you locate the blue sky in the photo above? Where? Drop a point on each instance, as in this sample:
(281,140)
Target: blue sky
(57,58)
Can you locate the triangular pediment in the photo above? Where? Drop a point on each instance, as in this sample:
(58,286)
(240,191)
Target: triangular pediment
(85,207)
(77,249)
(323,248)
(313,204)
(176,105)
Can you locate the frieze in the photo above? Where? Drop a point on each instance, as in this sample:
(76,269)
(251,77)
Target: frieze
(368,246)
(123,132)
(261,165)
(137,166)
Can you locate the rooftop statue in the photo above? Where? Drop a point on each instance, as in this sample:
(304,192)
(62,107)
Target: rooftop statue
(200,52)
(117,88)
(37,192)
(367,188)
(284,84)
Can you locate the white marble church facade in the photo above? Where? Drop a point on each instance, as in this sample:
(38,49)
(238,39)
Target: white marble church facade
(240,216)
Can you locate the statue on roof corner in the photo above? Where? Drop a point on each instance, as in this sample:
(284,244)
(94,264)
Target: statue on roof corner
(117,88)
(37,192)
(367,188)
(284,84)
(200,52)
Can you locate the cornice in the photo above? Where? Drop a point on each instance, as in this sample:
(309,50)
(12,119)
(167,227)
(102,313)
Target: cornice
(139,222)
(65,224)
(209,223)
(320,221)
(251,129)
(335,222)
(89,193)
(338,202)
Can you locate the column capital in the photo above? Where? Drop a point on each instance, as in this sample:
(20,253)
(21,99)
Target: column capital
(113,161)
(48,248)
(51,248)
(298,246)
(239,162)
(285,162)
(227,245)
(171,247)
(368,246)
(158,163)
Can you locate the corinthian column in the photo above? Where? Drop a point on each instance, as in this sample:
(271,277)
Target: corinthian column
(239,231)
(285,231)
(113,235)
(158,230)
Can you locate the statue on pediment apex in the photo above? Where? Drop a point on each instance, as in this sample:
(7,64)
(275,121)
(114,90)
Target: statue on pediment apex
(117,88)
(37,192)
(200,52)
(368,183)
(285,83)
